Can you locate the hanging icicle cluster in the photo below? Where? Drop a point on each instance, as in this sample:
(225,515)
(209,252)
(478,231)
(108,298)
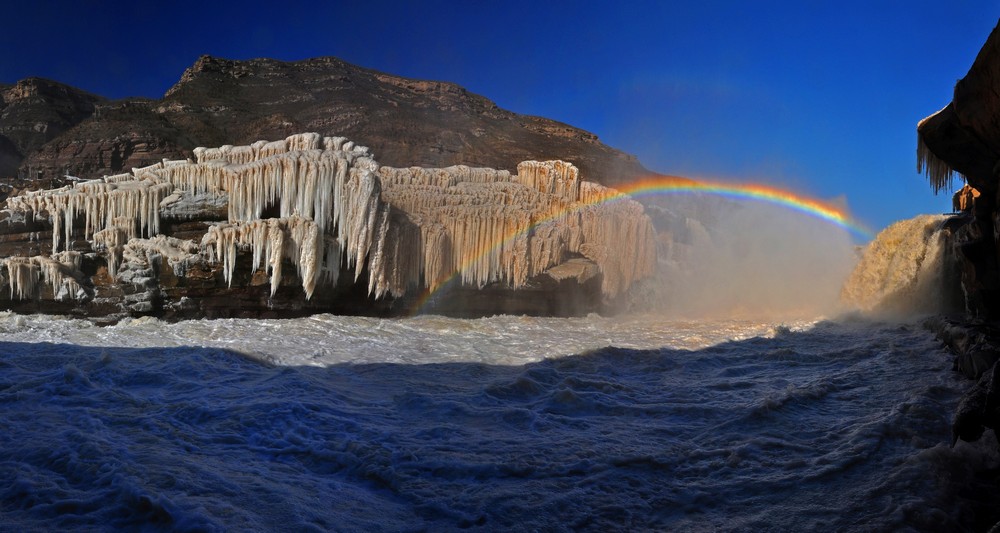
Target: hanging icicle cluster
(112,240)
(617,235)
(551,177)
(488,226)
(271,241)
(61,272)
(262,149)
(441,177)
(939,173)
(99,202)
(336,207)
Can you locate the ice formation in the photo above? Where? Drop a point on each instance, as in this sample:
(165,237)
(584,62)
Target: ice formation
(178,253)
(939,173)
(100,203)
(551,177)
(490,226)
(332,205)
(61,272)
(271,241)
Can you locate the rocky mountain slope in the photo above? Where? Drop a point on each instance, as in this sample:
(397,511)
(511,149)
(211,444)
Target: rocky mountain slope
(35,111)
(57,129)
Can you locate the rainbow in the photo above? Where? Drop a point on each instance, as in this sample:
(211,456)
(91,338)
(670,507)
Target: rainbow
(671,185)
(659,185)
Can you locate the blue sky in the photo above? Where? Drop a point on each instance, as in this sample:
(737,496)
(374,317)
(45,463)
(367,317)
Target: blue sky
(818,97)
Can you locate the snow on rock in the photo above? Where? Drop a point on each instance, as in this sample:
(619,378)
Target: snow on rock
(179,254)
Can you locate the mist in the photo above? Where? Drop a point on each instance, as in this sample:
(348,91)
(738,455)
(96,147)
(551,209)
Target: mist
(724,258)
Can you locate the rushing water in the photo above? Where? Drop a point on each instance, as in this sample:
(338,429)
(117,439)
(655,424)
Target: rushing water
(506,423)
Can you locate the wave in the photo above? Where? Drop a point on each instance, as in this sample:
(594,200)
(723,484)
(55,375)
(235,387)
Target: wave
(838,426)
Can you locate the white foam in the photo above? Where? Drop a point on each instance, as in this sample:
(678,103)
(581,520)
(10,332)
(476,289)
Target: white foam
(324,340)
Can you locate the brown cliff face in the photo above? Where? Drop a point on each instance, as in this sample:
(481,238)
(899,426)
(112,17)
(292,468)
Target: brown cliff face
(404,121)
(33,112)
(117,137)
(964,137)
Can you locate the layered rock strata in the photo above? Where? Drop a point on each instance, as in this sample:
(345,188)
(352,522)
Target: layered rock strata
(313,223)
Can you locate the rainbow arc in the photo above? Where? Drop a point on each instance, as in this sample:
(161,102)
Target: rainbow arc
(670,185)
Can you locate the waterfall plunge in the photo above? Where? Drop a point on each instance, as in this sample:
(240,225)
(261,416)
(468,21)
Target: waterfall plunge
(906,270)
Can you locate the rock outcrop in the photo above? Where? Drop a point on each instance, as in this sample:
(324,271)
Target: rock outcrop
(220,101)
(33,112)
(964,138)
(312,223)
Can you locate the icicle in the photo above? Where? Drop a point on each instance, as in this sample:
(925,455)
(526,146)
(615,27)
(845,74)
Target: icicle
(23,276)
(339,207)
(138,172)
(61,272)
(112,240)
(553,177)
(275,252)
(939,173)
(273,148)
(333,143)
(100,203)
(486,218)
(304,141)
(295,238)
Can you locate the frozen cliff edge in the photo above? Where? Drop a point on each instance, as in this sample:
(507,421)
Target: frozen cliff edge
(315,224)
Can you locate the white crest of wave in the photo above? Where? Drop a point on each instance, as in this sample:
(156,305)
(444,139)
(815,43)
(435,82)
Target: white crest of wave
(325,340)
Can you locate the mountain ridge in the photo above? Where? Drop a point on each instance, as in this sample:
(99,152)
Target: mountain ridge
(217,101)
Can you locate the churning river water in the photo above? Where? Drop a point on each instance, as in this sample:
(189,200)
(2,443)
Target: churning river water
(499,424)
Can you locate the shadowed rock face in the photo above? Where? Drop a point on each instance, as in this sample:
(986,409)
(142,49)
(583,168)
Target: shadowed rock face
(964,137)
(404,121)
(33,112)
